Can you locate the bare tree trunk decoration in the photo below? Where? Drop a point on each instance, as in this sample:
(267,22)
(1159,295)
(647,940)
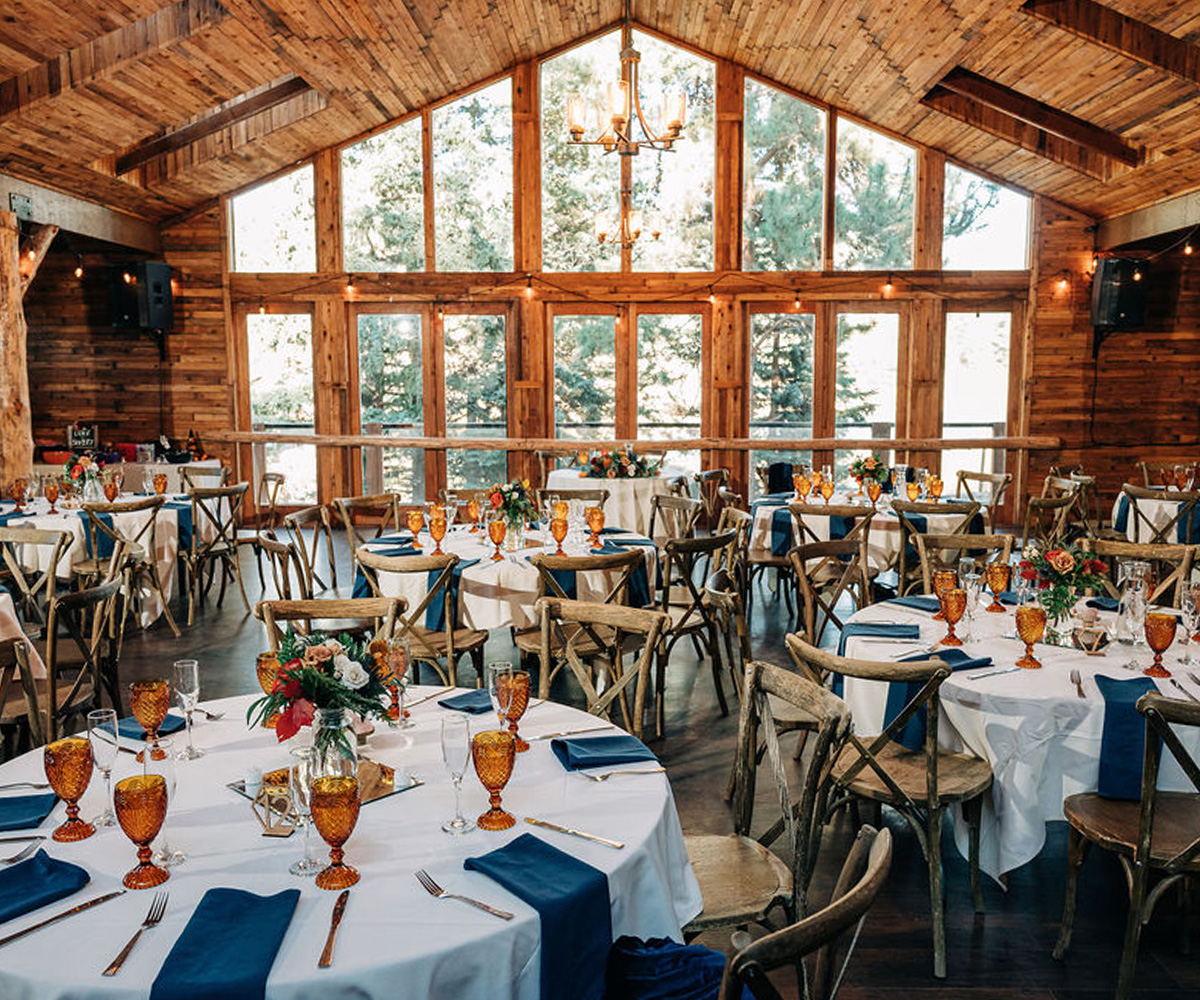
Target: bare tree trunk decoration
(18,266)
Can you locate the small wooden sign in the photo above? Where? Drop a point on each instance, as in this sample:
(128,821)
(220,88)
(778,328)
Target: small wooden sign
(82,437)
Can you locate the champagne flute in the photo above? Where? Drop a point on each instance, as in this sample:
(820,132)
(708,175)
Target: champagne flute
(498,691)
(187,691)
(456,751)
(102,732)
(164,764)
(300,785)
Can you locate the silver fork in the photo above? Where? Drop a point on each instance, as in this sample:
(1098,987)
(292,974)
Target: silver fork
(1078,682)
(616,774)
(211,716)
(158,906)
(22,854)
(1186,693)
(1194,678)
(431,887)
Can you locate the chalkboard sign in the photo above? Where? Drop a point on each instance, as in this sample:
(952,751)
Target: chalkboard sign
(80,438)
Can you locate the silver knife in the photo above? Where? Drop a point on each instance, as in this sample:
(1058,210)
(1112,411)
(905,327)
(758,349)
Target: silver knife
(338,909)
(570,732)
(992,673)
(428,697)
(616,844)
(66,913)
(18,839)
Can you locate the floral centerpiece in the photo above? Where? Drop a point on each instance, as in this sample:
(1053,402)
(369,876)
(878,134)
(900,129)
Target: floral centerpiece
(620,464)
(320,673)
(871,467)
(83,472)
(513,502)
(1060,576)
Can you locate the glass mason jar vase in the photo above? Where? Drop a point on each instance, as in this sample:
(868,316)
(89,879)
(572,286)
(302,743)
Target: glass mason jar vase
(335,744)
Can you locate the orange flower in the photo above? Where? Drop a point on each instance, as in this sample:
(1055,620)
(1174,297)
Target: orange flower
(1063,562)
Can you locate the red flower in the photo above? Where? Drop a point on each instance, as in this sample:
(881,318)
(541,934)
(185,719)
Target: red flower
(1028,574)
(76,471)
(1043,585)
(1024,564)
(496,499)
(298,714)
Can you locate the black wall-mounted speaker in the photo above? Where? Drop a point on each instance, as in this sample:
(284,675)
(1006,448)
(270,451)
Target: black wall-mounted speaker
(1119,294)
(139,296)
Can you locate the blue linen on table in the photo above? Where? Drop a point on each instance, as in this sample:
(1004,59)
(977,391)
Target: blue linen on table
(900,693)
(881,630)
(639,579)
(474,702)
(183,519)
(919,602)
(227,948)
(131,729)
(1104,603)
(13,516)
(37,882)
(1123,738)
(571,898)
(104,541)
(435,611)
(662,969)
(577,754)
(1183,535)
(24,812)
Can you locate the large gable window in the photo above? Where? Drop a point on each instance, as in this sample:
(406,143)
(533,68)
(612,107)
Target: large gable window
(274,225)
(383,201)
(985,226)
(874,197)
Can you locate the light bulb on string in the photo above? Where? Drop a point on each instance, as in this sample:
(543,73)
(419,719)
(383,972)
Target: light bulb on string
(350,284)
(1064,281)
(1137,274)
(712,298)
(529,286)
(262,307)
(796,303)
(888,287)
(1188,249)
(78,266)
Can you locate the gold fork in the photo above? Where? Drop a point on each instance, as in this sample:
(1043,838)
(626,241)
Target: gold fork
(431,887)
(616,774)
(158,906)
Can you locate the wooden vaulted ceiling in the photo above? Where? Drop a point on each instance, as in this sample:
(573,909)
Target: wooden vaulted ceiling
(194,98)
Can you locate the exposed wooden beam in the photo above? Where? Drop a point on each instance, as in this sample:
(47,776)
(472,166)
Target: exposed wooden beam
(103,56)
(33,252)
(1118,32)
(83,217)
(1041,115)
(1167,216)
(229,115)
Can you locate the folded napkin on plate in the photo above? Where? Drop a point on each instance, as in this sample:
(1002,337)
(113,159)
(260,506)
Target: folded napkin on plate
(397,538)
(912,736)
(662,969)
(600,751)
(1104,603)
(227,948)
(131,729)
(639,579)
(24,812)
(1123,738)
(613,531)
(475,702)
(571,898)
(13,517)
(919,602)
(878,630)
(40,881)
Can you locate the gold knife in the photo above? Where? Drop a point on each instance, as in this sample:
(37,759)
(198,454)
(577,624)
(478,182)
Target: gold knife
(338,909)
(570,732)
(428,697)
(66,913)
(616,844)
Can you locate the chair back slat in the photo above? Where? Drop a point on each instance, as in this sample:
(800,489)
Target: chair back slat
(946,551)
(34,589)
(379,612)
(825,572)
(317,520)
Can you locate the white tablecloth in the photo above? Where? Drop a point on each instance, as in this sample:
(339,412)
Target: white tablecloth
(134,471)
(628,503)
(1042,740)
(10,627)
(501,594)
(1160,513)
(396,941)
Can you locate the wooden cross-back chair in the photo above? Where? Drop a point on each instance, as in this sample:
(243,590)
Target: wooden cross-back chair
(673,516)
(1152,470)
(735,558)
(825,572)
(140,548)
(216,512)
(286,567)
(1087,516)
(21,724)
(433,646)
(919,785)
(709,483)
(908,564)
(592,497)
(315,519)
(266,517)
(373,616)
(1047,520)
(1171,566)
(379,509)
(818,935)
(679,486)
(32,589)
(590,638)
(1159,834)
(741,879)
(1059,486)
(727,498)
(946,551)
(202,476)
(996,483)
(1185,520)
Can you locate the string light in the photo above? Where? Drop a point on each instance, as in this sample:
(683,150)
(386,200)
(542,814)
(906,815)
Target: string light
(127,277)
(712,298)
(1187,249)
(529,286)
(350,284)
(32,254)
(888,287)
(796,303)
(1137,274)
(1064,280)
(262,307)
(78,266)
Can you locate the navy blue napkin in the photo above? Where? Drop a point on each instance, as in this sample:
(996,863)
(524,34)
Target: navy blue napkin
(779,477)
(37,882)
(1104,603)
(912,736)
(227,948)
(878,629)
(1009,597)
(13,515)
(921,602)
(475,702)
(361,587)
(600,751)
(921,527)
(24,812)
(639,579)
(396,538)
(1182,534)
(104,541)
(131,729)
(571,898)
(662,969)
(611,531)
(1123,739)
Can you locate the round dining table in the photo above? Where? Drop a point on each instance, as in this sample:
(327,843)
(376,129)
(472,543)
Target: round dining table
(396,941)
(628,502)
(1040,737)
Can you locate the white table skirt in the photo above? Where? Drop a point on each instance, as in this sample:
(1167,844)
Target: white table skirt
(1041,739)
(628,503)
(1160,513)
(501,594)
(396,941)
(10,627)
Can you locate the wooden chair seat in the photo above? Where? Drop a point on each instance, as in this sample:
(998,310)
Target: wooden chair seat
(15,708)
(530,640)
(1113,823)
(97,567)
(960,776)
(740,881)
(465,639)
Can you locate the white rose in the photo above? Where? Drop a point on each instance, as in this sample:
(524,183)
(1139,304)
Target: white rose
(354,676)
(335,646)
(341,663)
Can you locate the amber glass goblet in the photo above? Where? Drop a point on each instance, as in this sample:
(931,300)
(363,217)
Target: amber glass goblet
(943,580)
(804,488)
(110,490)
(997,575)
(149,701)
(874,491)
(497,529)
(954,603)
(266,669)
(473,509)
(561,509)
(594,516)
(68,766)
(558,529)
(437,531)
(335,805)
(796,478)
(415,520)
(1031,626)
(512,691)
(1166,477)
(815,478)
(51,491)
(17,493)
(826,489)
(141,806)
(936,486)
(160,483)
(1181,478)
(1160,633)
(913,490)
(494,751)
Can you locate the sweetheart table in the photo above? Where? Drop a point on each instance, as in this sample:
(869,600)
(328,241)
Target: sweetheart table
(395,941)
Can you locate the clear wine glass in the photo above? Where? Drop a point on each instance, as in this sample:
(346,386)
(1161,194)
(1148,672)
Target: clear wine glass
(494,671)
(102,732)
(300,777)
(456,752)
(187,691)
(1189,605)
(164,764)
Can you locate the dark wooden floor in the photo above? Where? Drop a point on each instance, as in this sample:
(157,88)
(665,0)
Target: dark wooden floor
(1002,954)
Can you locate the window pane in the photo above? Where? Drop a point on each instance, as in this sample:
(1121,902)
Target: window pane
(986,226)
(585,377)
(389,377)
(867,353)
(476,395)
(669,386)
(675,188)
(781,384)
(975,394)
(473,181)
(577,181)
(274,225)
(873,211)
(281,398)
(784,181)
(383,211)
